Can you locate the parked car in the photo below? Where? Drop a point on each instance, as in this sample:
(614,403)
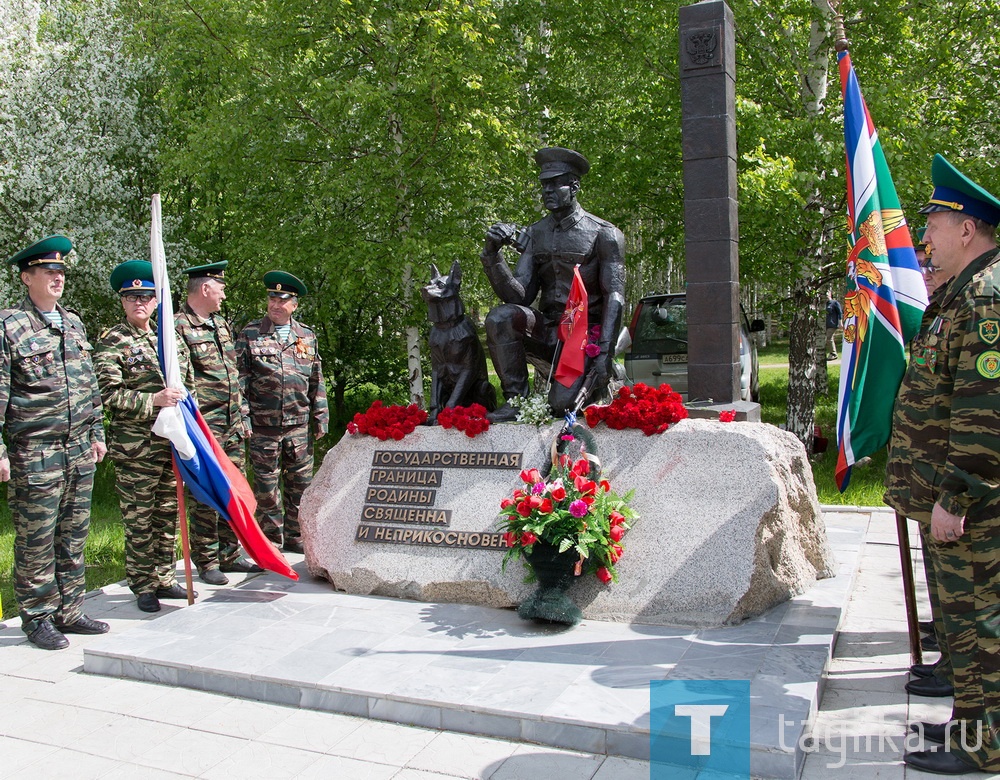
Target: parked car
(659,350)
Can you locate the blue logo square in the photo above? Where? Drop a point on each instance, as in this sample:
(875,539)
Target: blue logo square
(699,728)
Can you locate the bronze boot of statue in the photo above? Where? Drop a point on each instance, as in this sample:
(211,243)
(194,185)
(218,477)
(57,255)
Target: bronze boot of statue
(511,365)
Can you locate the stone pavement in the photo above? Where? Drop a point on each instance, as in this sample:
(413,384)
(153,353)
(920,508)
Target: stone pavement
(57,721)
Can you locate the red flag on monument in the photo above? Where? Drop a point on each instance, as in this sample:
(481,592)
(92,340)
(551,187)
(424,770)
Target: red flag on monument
(573,333)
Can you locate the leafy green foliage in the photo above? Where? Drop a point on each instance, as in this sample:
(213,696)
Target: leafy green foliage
(76,144)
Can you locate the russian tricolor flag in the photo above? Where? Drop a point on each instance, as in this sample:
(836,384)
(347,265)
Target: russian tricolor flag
(203,465)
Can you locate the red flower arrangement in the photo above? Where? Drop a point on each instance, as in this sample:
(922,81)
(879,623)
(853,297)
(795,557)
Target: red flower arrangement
(571,512)
(727,415)
(651,409)
(469,419)
(387,422)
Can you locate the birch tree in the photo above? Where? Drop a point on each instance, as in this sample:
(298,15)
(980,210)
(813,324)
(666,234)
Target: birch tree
(75,144)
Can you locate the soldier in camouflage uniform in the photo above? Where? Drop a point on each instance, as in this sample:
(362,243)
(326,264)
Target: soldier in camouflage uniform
(944,464)
(941,685)
(50,409)
(133,390)
(213,378)
(935,680)
(282,379)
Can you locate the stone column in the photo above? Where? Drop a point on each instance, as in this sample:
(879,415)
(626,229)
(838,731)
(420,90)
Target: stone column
(708,104)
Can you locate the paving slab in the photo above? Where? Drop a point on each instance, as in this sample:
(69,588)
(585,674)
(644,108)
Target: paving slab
(471,670)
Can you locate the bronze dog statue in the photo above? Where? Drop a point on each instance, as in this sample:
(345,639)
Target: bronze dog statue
(458,362)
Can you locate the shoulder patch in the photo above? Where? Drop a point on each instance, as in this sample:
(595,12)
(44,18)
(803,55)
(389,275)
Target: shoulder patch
(989,331)
(988,364)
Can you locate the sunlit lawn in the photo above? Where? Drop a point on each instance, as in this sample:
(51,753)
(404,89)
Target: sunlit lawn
(866,486)
(105,546)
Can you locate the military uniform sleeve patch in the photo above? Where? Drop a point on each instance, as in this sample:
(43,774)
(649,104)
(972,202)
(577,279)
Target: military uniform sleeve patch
(988,364)
(989,331)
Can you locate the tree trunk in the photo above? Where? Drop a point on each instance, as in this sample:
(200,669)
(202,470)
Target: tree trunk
(413,366)
(822,374)
(801,417)
(339,416)
(414,372)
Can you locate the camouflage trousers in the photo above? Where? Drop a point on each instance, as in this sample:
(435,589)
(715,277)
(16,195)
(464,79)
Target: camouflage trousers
(282,460)
(213,541)
(943,668)
(147,495)
(968,573)
(50,504)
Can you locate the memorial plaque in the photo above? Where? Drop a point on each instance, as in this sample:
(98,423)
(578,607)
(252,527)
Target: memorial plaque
(405,514)
(430,537)
(403,487)
(411,477)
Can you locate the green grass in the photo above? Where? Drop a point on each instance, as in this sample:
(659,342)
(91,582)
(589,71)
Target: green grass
(775,352)
(106,543)
(866,485)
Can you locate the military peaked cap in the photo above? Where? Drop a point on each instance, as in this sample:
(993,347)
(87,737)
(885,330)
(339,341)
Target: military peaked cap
(50,252)
(284,284)
(555,161)
(954,191)
(133,276)
(210,271)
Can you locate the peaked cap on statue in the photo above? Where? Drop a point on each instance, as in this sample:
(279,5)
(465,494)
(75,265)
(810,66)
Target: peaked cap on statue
(555,161)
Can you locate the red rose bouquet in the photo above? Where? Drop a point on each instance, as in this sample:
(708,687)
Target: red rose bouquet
(571,512)
(387,422)
(471,420)
(651,409)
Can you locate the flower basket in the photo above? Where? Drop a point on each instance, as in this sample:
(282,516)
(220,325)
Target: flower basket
(564,524)
(554,571)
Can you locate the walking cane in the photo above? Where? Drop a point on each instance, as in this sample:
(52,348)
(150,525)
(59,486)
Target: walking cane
(909,591)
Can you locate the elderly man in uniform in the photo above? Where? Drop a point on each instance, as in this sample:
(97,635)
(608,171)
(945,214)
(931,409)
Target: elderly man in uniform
(282,379)
(133,390)
(935,679)
(944,464)
(518,333)
(50,409)
(214,380)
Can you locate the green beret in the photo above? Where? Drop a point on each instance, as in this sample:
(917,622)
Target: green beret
(284,284)
(133,276)
(920,243)
(954,191)
(555,161)
(50,252)
(211,270)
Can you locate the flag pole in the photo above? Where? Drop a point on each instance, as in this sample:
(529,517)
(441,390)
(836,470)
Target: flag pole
(555,359)
(909,589)
(841,44)
(183,525)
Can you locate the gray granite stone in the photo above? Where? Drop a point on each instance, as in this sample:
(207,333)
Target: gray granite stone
(729,522)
